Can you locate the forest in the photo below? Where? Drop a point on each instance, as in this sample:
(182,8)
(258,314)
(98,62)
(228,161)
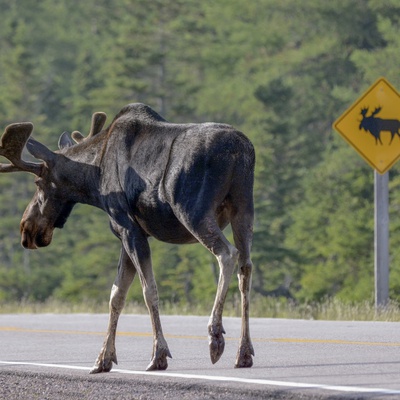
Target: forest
(281,71)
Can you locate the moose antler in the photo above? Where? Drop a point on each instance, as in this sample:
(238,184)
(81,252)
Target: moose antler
(12,142)
(376,111)
(98,121)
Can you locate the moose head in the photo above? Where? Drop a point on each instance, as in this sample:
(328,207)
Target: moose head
(54,198)
(366,121)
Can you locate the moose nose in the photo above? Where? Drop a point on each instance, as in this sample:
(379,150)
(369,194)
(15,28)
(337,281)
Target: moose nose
(24,241)
(27,242)
(26,235)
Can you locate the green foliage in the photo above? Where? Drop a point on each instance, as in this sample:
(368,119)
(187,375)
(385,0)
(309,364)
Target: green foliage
(281,71)
(332,231)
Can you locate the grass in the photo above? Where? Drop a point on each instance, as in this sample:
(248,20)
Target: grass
(331,309)
(261,307)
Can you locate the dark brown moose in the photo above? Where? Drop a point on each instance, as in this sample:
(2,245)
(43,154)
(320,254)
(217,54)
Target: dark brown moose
(178,183)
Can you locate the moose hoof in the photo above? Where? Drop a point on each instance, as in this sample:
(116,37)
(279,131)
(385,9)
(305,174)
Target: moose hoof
(245,361)
(103,367)
(159,362)
(103,363)
(244,357)
(217,345)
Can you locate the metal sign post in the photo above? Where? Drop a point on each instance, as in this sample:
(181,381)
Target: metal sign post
(381,239)
(372,127)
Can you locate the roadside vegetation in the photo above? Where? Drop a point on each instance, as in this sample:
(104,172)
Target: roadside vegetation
(261,307)
(280,71)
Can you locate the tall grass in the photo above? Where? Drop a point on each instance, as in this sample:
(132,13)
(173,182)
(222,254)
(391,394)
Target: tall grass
(261,307)
(330,309)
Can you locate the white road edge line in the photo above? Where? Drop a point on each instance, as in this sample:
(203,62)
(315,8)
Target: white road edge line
(265,382)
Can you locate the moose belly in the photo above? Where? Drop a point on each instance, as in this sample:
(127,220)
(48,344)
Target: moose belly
(164,226)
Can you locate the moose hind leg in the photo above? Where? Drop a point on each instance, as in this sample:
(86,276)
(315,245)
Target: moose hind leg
(208,233)
(125,276)
(227,258)
(206,230)
(242,226)
(244,356)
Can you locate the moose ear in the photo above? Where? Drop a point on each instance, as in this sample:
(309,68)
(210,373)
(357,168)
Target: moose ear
(40,151)
(65,141)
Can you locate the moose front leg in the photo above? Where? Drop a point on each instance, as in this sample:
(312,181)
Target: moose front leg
(126,273)
(138,247)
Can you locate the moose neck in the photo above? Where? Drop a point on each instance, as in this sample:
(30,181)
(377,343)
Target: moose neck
(81,168)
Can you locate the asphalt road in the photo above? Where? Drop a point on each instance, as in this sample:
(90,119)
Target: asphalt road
(48,356)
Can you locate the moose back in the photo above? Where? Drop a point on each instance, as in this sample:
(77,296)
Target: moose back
(178,183)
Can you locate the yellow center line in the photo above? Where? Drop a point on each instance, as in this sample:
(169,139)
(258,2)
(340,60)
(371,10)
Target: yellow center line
(329,341)
(193,337)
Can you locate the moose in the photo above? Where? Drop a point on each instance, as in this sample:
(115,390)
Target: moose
(376,125)
(178,183)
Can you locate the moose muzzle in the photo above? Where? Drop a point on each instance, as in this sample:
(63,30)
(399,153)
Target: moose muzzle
(32,237)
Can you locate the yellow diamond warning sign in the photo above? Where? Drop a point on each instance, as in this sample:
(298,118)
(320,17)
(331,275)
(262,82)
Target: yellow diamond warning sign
(372,125)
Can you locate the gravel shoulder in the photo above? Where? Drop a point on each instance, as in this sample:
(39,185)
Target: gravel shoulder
(19,385)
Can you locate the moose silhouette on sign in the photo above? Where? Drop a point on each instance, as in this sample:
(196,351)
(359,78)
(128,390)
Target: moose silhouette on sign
(376,125)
